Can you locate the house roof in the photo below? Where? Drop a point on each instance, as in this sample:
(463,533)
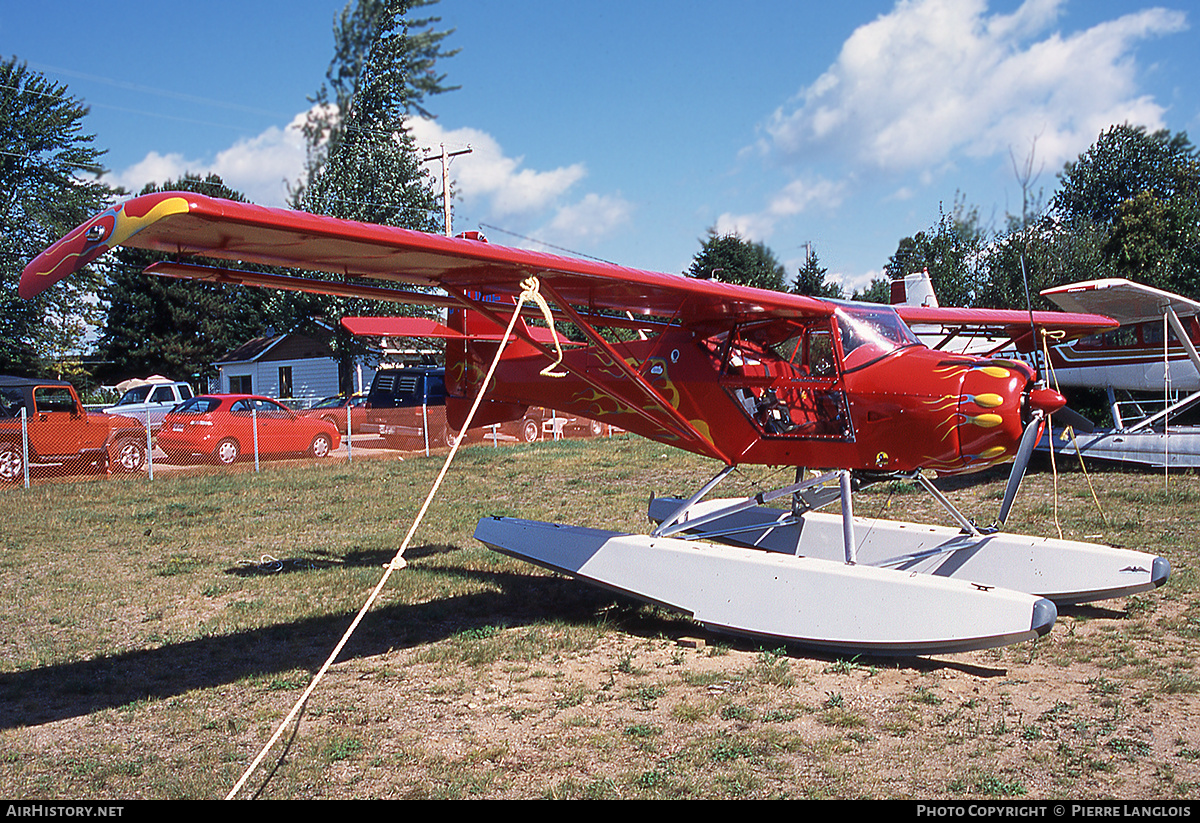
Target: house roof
(280,347)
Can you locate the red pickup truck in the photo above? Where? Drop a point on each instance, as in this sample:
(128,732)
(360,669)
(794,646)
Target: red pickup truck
(63,435)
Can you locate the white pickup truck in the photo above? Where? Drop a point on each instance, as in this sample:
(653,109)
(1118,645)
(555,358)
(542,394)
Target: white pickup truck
(151,402)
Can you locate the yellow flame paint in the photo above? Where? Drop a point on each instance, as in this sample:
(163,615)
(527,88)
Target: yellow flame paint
(987,401)
(995,371)
(987,421)
(125,226)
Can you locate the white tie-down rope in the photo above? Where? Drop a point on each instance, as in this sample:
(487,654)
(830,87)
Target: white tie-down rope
(529,292)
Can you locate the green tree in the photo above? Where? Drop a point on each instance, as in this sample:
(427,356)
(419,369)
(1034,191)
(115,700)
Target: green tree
(49,169)
(383,69)
(175,327)
(1126,161)
(879,290)
(952,251)
(1156,241)
(810,280)
(363,160)
(731,258)
(1133,197)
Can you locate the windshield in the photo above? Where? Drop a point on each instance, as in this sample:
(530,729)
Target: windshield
(869,333)
(135,395)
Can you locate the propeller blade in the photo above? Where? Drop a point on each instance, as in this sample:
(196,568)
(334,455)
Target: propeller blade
(1067,416)
(1028,440)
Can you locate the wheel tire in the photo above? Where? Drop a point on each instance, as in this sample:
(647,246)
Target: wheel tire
(321,446)
(12,463)
(127,456)
(450,436)
(228,451)
(595,427)
(530,431)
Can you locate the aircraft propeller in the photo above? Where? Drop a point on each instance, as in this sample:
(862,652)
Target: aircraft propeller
(1043,402)
(1029,439)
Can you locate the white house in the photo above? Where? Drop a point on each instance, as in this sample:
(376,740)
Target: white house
(292,367)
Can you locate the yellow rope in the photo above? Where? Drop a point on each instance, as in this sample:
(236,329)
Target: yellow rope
(529,292)
(1068,431)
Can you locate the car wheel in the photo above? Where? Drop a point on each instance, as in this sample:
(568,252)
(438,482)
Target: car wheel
(228,451)
(321,446)
(12,464)
(128,456)
(595,427)
(450,436)
(530,431)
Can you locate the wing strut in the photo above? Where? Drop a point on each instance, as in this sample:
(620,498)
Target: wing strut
(670,419)
(639,380)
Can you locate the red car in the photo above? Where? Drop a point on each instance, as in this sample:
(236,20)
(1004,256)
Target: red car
(223,426)
(334,409)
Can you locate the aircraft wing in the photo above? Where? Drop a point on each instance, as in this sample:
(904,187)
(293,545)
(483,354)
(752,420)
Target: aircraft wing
(398,327)
(1008,326)
(1123,300)
(204,234)
(424,327)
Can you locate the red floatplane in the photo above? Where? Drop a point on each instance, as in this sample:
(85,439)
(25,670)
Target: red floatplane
(737,374)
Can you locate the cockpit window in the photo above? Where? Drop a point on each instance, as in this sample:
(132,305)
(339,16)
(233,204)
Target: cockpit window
(783,373)
(869,333)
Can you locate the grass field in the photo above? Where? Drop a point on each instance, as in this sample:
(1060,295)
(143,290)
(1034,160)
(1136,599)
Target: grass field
(157,633)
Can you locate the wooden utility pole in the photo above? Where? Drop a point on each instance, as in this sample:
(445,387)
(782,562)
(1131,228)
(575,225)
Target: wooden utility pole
(445,156)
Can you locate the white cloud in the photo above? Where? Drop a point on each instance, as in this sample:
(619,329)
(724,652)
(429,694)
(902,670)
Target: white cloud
(938,87)
(796,197)
(936,78)
(490,180)
(592,217)
(490,185)
(257,167)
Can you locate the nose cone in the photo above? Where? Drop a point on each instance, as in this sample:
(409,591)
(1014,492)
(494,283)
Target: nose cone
(1046,400)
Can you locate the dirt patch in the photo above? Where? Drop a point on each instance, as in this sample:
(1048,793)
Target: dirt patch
(154,665)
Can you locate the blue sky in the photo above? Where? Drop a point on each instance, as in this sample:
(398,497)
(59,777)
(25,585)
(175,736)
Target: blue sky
(625,130)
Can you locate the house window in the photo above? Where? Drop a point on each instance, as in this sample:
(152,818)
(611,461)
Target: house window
(240,384)
(285,381)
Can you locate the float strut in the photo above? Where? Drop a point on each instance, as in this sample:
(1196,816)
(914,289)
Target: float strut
(848,519)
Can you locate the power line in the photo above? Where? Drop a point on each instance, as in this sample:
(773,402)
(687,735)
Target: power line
(134,87)
(563,249)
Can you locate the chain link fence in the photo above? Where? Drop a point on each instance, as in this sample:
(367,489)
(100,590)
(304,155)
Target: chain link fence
(47,435)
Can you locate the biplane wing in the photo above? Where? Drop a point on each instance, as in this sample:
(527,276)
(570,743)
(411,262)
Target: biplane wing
(189,226)
(208,239)
(983,331)
(424,327)
(1005,328)
(398,327)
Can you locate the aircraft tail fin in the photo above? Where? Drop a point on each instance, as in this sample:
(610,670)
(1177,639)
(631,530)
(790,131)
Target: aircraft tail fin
(467,361)
(914,289)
